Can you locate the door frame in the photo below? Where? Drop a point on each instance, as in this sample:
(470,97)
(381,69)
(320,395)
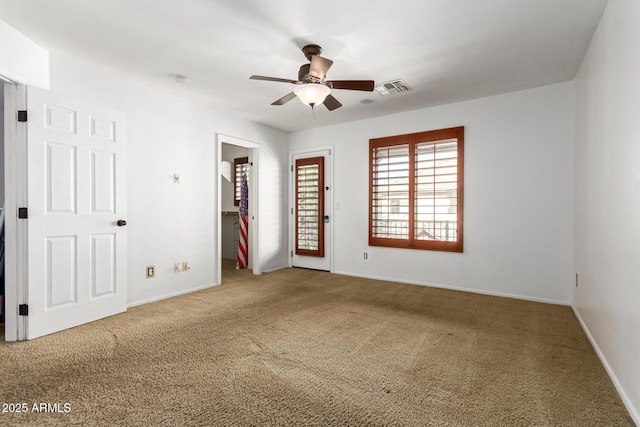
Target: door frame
(255,154)
(15,171)
(329,210)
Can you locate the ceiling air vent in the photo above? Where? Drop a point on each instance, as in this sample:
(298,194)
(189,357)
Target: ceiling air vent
(394,86)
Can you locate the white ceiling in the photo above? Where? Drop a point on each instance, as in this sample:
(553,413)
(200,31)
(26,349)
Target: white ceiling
(446,50)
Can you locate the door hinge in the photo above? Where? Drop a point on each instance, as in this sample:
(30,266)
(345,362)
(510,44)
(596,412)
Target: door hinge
(22,115)
(23,213)
(291,254)
(23,310)
(291,211)
(291,168)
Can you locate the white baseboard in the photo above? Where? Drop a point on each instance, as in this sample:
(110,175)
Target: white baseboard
(635,416)
(461,289)
(271,270)
(173,294)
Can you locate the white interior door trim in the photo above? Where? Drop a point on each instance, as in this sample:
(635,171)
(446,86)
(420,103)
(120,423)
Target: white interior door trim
(15,169)
(255,154)
(9,76)
(311,152)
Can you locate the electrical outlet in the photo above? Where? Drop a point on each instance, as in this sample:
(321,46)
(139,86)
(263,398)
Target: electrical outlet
(177,268)
(185,266)
(151,271)
(366,255)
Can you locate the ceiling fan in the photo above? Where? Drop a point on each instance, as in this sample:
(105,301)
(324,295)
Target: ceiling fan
(312,88)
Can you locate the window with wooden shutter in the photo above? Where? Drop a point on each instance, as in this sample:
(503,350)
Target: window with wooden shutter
(309,181)
(416,190)
(239,165)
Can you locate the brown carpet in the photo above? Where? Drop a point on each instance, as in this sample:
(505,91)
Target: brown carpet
(299,347)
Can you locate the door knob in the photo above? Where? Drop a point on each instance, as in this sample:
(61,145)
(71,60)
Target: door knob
(121,223)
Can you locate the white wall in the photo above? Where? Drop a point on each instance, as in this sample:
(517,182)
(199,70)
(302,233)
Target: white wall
(608,196)
(169,222)
(518,201)
(21,60)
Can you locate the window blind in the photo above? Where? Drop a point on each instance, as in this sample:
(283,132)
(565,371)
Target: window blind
(239,164)
(310,206)
(391,192)
(436,185)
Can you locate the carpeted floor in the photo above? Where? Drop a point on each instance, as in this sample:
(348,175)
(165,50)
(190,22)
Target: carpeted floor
(299,347)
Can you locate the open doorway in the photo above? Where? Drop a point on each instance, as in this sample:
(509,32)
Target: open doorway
(237,160)
(235,167)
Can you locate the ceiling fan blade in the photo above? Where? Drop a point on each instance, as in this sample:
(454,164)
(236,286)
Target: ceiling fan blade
(365,85)
(319,66)
(274,79)
(288,97)
(331,103)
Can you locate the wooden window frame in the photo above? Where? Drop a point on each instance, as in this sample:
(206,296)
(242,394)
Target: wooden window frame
(236,192)
(305,162)
(411,140)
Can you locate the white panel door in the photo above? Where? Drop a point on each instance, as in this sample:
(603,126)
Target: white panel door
(311,246)
(76,197)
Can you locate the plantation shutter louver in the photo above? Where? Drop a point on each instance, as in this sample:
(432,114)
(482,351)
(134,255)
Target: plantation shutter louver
(391,192)
(436,190)
(309,181)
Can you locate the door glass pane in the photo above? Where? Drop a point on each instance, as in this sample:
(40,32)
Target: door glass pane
(309,207)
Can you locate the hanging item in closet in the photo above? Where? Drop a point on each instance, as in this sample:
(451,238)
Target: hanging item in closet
(243,247)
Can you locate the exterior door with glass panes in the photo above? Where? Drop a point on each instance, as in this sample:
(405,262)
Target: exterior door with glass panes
(311,211)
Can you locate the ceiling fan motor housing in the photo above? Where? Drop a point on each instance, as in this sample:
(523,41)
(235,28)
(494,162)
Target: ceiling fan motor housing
(305,77)
(310,50)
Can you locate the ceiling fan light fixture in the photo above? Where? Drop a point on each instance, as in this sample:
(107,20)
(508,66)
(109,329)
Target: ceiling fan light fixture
(312,93)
